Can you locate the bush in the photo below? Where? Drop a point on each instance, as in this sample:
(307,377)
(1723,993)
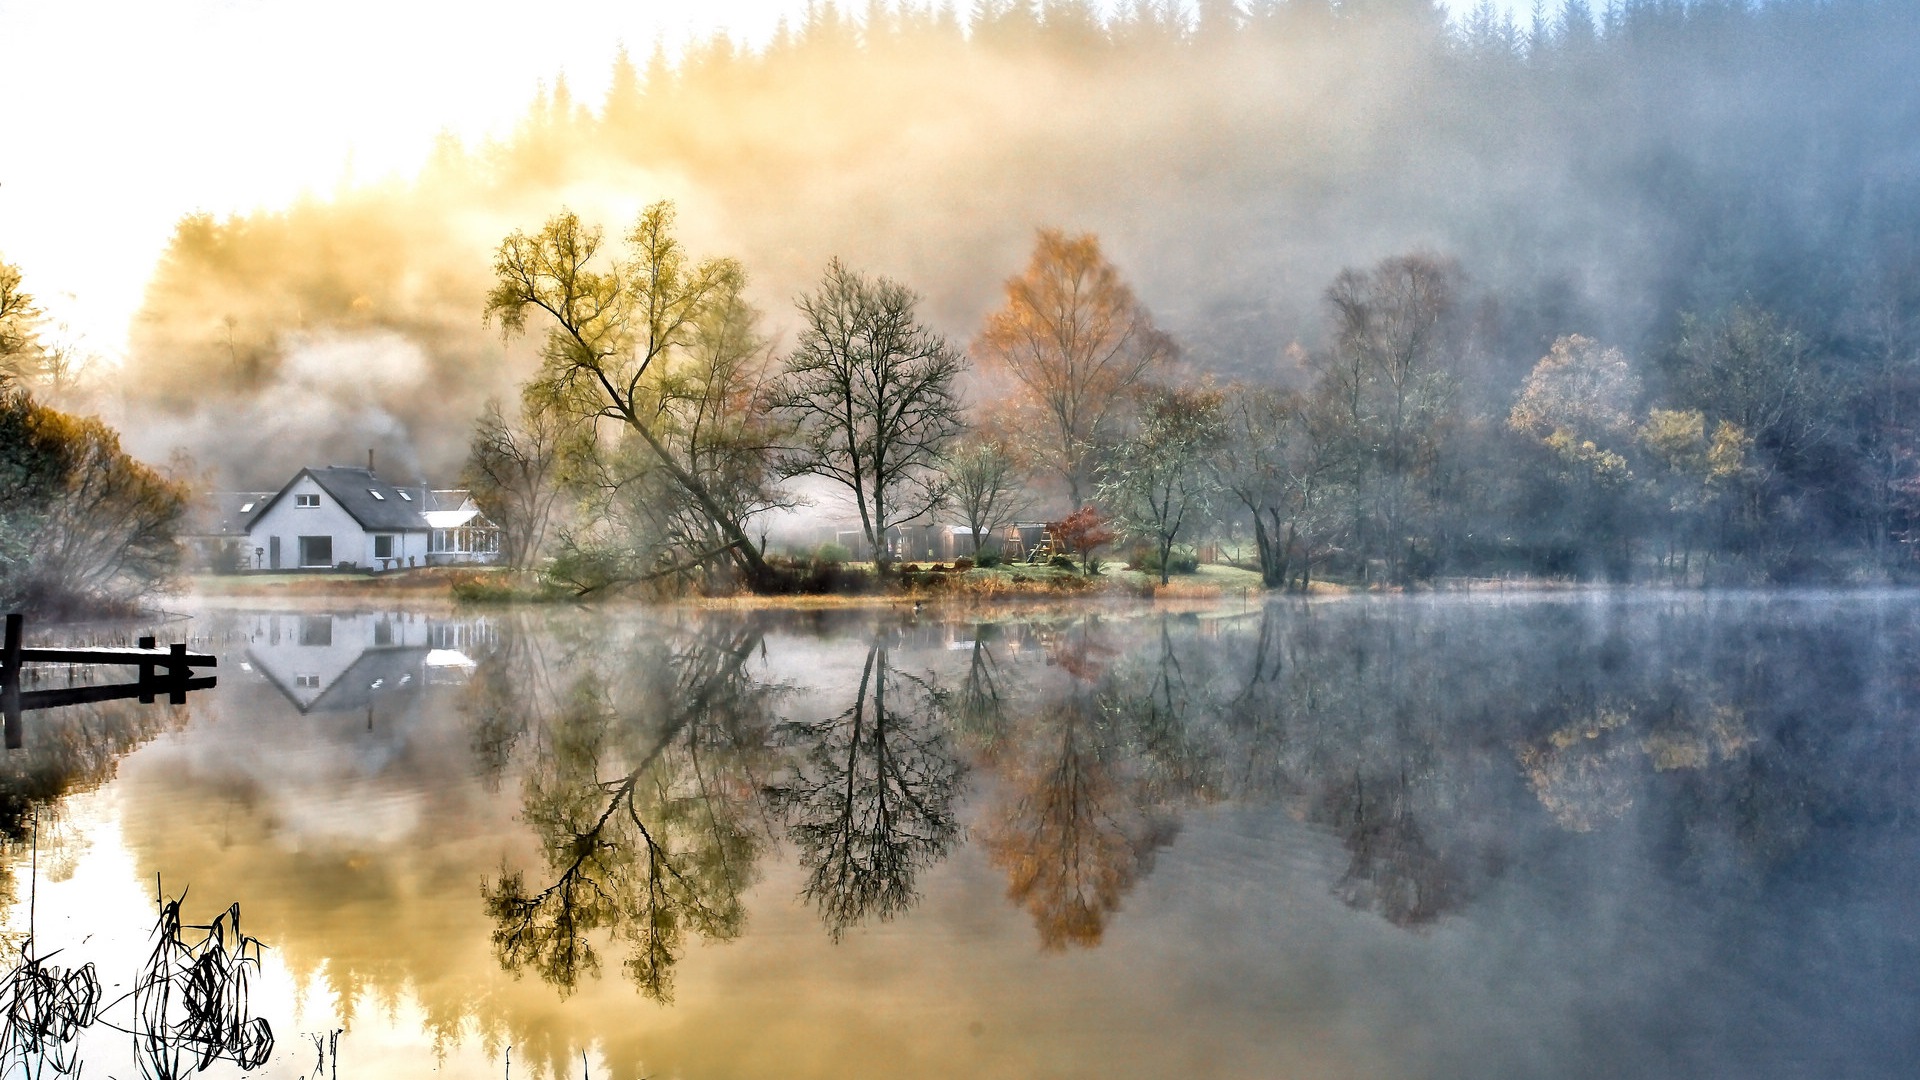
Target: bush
(82,525)
(831,552)
(1061,562)
(484,588)
(962,564)
(1181,561)
(817,577)
(987,560)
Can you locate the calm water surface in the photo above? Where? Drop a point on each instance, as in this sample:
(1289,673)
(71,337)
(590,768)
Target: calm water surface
(1609,836)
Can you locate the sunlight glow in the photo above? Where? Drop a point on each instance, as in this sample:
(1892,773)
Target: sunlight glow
(125,116)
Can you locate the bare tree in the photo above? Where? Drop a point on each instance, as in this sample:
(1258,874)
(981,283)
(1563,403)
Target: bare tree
(1389,375)
(1277,461)
(988,485)
(872,392)
(618,334)
(1077,342)
(515,470)
(19,327)
(1163,481)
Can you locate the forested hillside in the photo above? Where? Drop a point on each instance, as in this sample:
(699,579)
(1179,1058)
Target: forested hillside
(1659,177)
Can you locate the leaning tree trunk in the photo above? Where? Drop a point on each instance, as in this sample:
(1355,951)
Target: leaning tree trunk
(759,575)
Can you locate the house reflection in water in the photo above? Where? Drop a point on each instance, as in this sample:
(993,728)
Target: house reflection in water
(326,663)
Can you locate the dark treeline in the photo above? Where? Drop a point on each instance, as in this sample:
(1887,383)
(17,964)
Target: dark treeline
(1722,193)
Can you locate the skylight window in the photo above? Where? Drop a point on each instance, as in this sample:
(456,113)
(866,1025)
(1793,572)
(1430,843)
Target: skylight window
(376,495)
(246,508)
(405,495)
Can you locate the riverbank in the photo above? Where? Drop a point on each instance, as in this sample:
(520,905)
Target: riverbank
(1018,585)
(852,588)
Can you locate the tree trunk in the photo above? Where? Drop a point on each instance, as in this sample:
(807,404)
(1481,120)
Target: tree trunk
(1263,547)
(1286,555)
(759,574)
(877,533)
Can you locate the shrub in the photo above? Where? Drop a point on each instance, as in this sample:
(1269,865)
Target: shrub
(483,588)
(962,564)
(82,524)
(831,552)
(987,560)
(1181,561)
(1060,562)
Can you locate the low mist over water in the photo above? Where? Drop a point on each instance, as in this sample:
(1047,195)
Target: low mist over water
(1594,834)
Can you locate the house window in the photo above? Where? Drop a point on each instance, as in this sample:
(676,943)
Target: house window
(306,500)
(383,546)
(307,682)
(377,496)
(316,551)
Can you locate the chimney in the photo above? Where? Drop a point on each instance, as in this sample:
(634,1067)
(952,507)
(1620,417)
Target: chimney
(369,461)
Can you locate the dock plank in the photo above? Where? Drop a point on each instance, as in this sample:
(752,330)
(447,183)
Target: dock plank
(31,700)
(158,657)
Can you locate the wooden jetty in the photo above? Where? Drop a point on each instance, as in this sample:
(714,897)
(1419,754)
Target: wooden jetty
(166,671)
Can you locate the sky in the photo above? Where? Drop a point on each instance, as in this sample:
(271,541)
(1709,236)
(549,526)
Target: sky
(124,115)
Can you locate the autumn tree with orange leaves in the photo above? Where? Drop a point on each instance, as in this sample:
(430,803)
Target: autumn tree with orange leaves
(1076,342)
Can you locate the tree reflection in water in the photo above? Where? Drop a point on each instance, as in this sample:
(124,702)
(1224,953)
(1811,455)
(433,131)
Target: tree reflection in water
(977,704)
(1083,813)
(868,799)
(657,850)
(68,751)
(1397,755)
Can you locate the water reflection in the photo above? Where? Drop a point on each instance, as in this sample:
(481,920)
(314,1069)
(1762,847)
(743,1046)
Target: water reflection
(641,796)
(1090,784)
(326,663)
(868,795)
(1236,825)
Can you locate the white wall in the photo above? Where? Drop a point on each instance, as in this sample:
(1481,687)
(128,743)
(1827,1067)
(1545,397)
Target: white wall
(351,543)
(406,546)
(290,522)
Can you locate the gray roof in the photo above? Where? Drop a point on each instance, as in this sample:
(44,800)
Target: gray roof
(224,513)
(369,500)
(393,669)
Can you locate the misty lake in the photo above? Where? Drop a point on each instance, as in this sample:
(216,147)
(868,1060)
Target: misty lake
(1585,834)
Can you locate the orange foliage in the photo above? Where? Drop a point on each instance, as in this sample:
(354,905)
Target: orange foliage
(1076,341)
(1068,855)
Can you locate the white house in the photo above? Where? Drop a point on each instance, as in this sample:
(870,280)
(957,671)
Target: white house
(338,517)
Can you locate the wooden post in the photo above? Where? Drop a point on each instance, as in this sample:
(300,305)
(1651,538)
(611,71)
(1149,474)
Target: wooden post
(10,681)
(177,673)
(146,674)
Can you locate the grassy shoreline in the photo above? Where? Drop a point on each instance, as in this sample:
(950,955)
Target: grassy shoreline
(1018,586)
(1009,584)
